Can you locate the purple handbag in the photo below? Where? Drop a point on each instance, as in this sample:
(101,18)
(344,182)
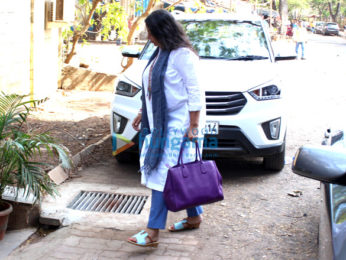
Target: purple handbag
(192,184)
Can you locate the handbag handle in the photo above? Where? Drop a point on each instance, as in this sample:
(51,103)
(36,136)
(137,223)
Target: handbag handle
(180,158)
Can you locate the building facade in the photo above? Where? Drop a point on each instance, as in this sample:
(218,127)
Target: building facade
(31,45)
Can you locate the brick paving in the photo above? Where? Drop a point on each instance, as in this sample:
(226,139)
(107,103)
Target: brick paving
(91,243)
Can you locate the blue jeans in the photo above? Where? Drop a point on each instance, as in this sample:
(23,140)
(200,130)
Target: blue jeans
(297,48)
(158,211)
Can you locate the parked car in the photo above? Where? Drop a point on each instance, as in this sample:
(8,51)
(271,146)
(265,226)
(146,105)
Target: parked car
(243,91)
(330,29)
(327,163)
(318,27)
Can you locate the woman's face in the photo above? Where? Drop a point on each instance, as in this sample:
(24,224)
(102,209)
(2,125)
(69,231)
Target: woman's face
(152,38)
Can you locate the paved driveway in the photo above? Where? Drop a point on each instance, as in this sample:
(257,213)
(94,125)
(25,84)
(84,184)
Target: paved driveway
(264,215)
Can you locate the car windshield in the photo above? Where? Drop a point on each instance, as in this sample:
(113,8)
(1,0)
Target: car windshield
(219,39)
(332,25)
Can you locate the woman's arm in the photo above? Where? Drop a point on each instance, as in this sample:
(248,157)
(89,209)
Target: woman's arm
(193,128)
(137,121)
(186,64)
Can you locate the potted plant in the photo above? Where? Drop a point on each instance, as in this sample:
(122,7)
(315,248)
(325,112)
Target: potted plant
(18,150)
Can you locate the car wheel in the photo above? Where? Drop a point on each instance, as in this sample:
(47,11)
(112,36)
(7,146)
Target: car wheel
(275,162)
(125,158)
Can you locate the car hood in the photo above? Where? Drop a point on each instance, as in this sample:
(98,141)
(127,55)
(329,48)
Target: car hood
(221,75)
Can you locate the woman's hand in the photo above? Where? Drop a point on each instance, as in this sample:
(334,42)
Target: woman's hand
(137,121)
(192,133)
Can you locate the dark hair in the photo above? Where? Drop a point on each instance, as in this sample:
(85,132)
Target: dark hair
(167,31)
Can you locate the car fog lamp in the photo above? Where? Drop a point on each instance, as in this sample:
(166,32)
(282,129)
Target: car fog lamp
(119,123)
(274,127)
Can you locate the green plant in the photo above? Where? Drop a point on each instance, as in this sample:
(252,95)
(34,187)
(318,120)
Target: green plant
(103,16)
(18,148)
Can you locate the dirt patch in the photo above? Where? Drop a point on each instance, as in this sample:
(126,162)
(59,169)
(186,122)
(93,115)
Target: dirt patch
(85,79)
(75,119)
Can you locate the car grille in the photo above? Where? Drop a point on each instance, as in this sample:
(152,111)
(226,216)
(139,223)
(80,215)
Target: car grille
(224,103)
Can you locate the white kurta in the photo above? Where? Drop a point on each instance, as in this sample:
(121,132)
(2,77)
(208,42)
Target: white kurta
(184,93)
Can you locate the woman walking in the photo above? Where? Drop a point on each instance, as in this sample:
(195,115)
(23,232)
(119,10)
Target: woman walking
(173,108)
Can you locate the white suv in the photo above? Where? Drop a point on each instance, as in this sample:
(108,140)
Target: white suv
(243,93)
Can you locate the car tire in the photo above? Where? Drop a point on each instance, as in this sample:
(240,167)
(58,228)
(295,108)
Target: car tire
(275,162)
(125,158)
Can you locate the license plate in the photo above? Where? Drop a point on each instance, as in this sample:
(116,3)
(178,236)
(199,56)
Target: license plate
(211,128)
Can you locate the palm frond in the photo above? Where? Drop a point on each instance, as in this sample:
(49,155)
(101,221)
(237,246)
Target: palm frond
(14,110)
(17,149)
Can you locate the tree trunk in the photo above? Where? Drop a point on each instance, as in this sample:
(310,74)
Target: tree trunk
(284,16)
(133,28)
(78,34)
(274,5)
(334,15)
(139,20)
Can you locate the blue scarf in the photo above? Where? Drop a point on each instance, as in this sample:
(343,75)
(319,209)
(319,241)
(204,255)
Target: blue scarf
(158,136)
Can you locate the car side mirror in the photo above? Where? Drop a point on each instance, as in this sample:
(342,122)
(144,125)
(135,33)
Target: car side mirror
(323,163)
(132,51)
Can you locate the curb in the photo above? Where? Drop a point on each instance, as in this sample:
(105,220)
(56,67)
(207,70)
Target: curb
(58,175)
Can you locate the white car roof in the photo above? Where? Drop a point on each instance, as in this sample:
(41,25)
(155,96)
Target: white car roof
(218,16)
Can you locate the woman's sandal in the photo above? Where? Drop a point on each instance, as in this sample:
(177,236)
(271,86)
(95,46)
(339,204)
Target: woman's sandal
(183,225)
(141,240)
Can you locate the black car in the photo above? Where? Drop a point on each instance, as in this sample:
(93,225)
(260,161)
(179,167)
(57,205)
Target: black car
(327,163)
(330,29)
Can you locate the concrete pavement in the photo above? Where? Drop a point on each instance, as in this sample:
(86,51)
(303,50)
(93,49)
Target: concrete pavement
(85,242)
(96,235)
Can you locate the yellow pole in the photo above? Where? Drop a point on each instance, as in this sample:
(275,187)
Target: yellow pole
(32,5)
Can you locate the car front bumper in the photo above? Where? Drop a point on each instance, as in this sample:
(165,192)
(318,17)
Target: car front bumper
(242,134)
(230,141)
(332,32)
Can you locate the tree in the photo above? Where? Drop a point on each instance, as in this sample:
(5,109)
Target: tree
(329,9)
(283,9)
(133,28)
(321,6)
(106,16)
(297,7)
(138,21)
(80,29)
(331,6)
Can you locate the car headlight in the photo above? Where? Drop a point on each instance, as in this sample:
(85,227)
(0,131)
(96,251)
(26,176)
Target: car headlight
(126,89)
(267,92)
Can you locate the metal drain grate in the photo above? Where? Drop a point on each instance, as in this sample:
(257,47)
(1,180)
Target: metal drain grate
(108,202)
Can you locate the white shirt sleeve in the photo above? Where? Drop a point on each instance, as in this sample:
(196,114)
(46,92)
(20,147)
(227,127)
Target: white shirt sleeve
(187,64)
